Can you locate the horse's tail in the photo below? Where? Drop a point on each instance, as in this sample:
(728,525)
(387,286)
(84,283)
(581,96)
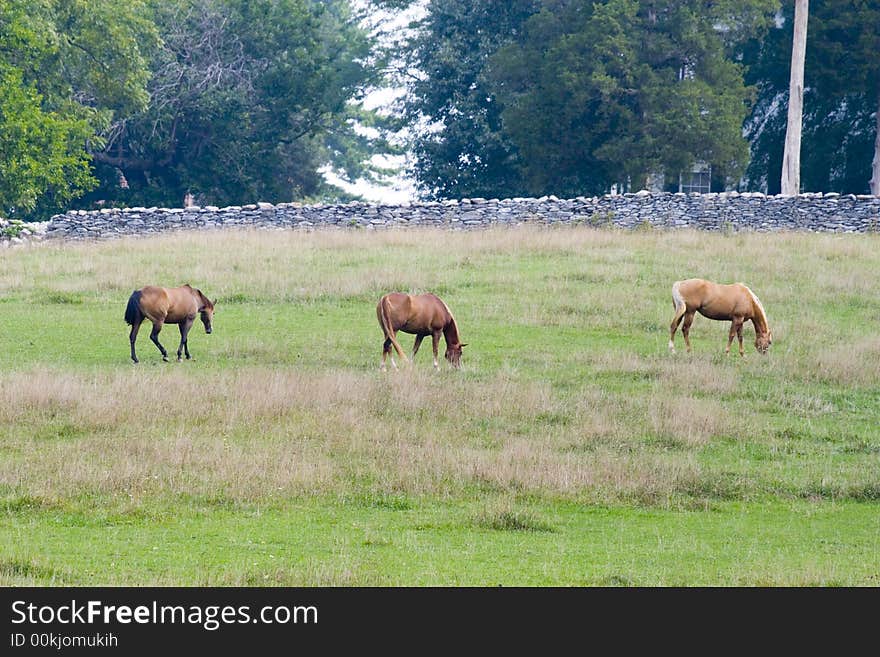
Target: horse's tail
(680,306)
(383,312)
(133,309)
(677,300)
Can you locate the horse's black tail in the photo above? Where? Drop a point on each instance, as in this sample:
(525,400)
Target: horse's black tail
(133,309)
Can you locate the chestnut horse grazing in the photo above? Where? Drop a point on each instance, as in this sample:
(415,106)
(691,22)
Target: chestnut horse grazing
(422,315)
(736,303)
(167,305)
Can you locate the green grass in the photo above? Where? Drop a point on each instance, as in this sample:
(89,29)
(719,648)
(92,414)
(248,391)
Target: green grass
(438,541)
(572,449)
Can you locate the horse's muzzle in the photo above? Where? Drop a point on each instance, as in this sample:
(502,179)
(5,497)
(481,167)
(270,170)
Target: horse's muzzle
(207,330)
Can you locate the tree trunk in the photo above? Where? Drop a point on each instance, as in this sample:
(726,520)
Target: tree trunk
(875,165)
(791,160)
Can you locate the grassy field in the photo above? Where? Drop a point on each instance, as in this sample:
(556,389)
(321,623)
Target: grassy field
(572,449)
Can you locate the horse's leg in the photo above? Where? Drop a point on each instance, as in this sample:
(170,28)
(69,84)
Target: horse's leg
(730,335)
(736,326)
(154,336)
(132,337)
(386,349)
(184,327)
(417,344)
(674,327)
(435,341)
(739,334)
(686,329)
(391,353)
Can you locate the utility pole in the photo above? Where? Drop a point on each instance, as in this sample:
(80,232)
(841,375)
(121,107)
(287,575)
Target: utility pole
(791,160)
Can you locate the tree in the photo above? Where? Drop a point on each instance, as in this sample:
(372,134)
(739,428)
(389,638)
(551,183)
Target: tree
(607,92)
(41,152)
(459,146)
(65,67)
(570,96)
(791,160)
(248,100)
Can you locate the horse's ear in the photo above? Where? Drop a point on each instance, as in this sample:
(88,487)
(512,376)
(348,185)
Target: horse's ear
(464,345)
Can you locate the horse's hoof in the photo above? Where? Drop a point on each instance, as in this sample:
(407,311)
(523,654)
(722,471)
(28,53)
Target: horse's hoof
(179,359)
(134,361)
(165,358)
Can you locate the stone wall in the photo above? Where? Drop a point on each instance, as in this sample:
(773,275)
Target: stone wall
(724,211)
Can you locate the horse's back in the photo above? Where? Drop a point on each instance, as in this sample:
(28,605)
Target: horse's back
(396,299)
(414,313)
(432,305)
(170,304)
(393,304)
(153,295)
(694,287)
(713,300)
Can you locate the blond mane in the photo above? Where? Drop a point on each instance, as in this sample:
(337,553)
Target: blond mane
(762,314)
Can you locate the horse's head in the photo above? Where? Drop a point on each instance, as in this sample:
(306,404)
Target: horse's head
(206,313)
(763,341)
(453,354)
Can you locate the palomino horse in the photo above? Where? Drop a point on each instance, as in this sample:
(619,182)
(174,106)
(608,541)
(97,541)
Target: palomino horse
(167,305)
(736,303)
(422,315)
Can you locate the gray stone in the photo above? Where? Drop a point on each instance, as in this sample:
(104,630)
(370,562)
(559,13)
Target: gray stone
(743,211)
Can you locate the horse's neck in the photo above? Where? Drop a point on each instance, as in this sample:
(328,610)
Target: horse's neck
(760,322)
(759,317)
(450,332)
(201,300)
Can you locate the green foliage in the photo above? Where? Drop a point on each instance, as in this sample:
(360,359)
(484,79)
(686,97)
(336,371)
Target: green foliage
(462,150)
(631,90)
(67,67)
(569,97)
(13,229)
(40,151)
(234,101)
(249,101)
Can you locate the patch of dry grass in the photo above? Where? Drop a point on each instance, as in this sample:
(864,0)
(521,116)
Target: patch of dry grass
(257,435)
(856,363)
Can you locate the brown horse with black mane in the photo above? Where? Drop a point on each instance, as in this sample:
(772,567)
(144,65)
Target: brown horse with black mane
(422,315)
(167,305)
(735,302)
